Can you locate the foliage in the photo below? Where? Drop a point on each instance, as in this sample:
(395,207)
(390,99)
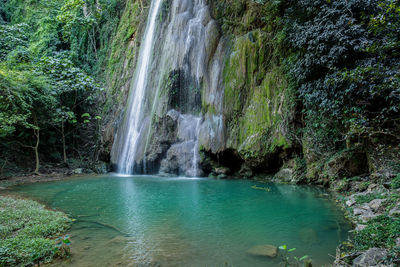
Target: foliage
(12,36)
(42,91)
(24,99)
(88,26)
(25,229)
(361,199)
(51,96)
(380,232)
(289,260)
(395,184)
(346,67)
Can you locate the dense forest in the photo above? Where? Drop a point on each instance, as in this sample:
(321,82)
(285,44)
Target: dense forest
(309,94)
(53,55)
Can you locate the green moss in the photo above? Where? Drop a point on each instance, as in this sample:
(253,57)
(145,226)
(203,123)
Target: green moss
(254,97)
(25,231)
(123,51)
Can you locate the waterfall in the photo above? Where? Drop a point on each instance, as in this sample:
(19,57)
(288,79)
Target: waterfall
(194,171)
(179,59)
(126,144)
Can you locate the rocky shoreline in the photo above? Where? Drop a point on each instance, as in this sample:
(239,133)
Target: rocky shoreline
(374,210)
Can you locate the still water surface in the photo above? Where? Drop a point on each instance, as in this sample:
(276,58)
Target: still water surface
(157,221)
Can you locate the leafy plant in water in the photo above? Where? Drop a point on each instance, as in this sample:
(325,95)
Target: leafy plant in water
(63,246)
(267,189)
(288,260)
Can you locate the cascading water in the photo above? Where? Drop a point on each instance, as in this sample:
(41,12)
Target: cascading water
(194,171)
(162,126)
(127,141)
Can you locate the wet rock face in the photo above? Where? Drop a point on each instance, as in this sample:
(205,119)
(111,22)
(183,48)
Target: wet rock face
(179,159)
(179,134)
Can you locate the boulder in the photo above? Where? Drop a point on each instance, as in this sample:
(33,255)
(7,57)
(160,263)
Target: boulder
(360,227)
(365,212)
(245,171)
(222,176)
(179,160)
(350,202)
(78,171)
(101,168)
(395,210)
(263,250)
(371,257)
(221,170)
(285,174)
(376,205)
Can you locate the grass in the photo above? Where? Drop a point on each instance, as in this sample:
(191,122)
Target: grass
(26,232)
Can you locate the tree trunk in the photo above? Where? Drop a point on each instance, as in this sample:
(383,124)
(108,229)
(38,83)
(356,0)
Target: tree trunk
(36,149)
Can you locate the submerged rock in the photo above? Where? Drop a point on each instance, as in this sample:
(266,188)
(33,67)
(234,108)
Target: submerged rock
(308,235)
(263,250)
(371,257)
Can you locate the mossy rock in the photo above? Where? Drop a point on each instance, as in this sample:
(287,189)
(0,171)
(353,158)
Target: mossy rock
(255,101)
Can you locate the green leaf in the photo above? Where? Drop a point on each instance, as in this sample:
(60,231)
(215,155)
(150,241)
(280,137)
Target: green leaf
(283,247)
(292,249)
(303,258)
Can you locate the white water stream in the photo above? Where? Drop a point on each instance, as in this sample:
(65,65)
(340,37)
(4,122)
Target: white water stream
(127,144)
(179,44)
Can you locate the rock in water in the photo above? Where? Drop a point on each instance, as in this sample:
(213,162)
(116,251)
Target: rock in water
(308,235)
(264,250)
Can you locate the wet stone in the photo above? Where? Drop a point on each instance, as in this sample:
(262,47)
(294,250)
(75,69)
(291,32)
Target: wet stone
(263,250)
